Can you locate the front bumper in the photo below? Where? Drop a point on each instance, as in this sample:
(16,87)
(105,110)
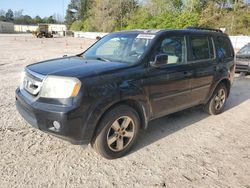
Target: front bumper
(242,68)
(42,115)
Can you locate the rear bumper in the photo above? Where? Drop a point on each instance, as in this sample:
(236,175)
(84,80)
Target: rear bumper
(42,115)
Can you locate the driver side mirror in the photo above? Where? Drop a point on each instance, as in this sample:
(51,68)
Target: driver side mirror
(161,59)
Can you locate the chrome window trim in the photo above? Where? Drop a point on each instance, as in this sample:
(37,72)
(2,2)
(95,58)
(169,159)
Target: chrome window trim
(214,48)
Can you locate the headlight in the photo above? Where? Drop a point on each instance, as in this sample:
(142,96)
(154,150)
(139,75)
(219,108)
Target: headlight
(60,87)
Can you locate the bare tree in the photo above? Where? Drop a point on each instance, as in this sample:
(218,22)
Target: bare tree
(2,12)
(18,13)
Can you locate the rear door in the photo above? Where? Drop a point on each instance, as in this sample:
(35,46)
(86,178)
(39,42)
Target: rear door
(225,56)
(169,84)
(202,58)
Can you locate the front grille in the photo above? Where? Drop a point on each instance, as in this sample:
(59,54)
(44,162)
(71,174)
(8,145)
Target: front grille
(242,67)
(245,63)
(32,82)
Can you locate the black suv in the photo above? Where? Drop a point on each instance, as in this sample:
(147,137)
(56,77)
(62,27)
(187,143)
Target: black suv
(105,95)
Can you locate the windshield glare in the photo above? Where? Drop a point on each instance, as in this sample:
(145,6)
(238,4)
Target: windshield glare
(127,48)
(245,50)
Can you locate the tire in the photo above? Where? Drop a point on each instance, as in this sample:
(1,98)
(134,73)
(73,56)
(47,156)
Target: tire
(117,132)
(216,103)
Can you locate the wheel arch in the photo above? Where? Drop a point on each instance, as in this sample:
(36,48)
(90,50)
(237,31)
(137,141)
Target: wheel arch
(227,83)
(139,107)
(224,81)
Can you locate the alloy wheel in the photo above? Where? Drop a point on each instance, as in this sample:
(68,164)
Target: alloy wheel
(121,133)
(220,99)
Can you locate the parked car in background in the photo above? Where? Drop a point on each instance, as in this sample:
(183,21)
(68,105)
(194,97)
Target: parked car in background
(243,60)
(105,95)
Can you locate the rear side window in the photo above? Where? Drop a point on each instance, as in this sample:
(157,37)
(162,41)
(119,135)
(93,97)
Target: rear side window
(201,48)
(224,49)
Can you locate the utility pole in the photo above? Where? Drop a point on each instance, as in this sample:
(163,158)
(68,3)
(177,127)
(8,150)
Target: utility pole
(63,9)
(103,9)
(233,17)
(121,14)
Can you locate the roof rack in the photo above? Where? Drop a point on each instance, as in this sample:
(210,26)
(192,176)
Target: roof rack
(207,29)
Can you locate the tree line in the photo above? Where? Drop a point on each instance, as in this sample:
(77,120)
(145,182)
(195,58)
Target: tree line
(112,15)
(17,17)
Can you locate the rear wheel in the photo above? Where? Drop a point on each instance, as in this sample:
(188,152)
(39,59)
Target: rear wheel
(117,132)
(217,102)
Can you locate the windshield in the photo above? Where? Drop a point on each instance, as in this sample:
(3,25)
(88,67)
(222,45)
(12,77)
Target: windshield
(126,48)
(245,50)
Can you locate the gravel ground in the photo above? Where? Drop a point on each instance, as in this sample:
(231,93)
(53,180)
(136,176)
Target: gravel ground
(186,149)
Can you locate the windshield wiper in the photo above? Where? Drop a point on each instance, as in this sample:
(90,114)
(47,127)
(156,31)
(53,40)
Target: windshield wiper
(94,57)
(102,59)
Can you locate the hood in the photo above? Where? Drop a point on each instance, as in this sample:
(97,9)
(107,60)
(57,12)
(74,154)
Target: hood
(75,67)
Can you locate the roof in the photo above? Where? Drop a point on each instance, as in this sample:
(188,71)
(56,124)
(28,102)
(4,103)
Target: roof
(187,30)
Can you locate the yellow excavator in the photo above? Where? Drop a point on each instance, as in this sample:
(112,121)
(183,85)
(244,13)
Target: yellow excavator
(43,31)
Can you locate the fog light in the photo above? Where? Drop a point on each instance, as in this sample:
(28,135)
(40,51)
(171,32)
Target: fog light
(57,125)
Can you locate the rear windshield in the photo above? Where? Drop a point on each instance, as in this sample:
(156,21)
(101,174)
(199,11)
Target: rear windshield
(245,50)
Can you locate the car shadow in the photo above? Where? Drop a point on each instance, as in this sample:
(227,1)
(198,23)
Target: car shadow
(240,92)
(167,125)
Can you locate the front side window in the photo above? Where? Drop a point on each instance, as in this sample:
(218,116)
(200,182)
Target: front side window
(245,50)
(201,50)
(174,48)
(126,48)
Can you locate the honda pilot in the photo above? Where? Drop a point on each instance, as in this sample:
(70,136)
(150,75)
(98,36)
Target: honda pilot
(106,94)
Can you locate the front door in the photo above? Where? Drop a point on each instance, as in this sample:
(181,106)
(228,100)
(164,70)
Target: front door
(169,84)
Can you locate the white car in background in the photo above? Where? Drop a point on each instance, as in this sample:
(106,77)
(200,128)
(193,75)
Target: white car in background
(243,60)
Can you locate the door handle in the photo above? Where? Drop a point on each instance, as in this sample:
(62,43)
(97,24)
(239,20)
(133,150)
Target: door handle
(216,68)
(187,73)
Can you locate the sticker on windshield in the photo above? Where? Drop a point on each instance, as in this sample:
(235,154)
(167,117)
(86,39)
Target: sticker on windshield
(145,36)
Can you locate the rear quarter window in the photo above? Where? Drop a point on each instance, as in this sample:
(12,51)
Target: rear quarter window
(224,48)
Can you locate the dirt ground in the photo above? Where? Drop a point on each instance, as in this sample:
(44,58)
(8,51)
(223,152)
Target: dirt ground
(186,149)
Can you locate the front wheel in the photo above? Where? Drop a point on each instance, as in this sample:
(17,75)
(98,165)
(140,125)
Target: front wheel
(217,102)
(117,132)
